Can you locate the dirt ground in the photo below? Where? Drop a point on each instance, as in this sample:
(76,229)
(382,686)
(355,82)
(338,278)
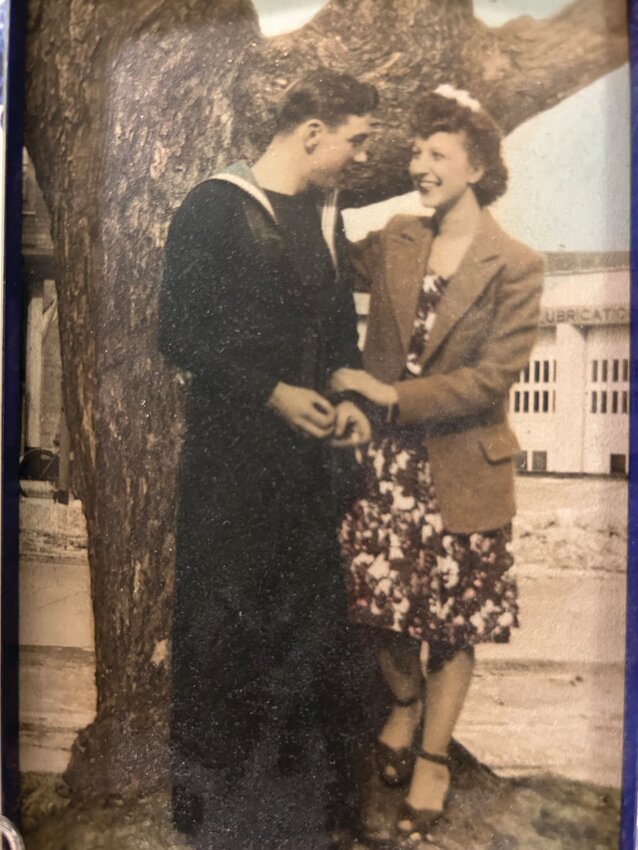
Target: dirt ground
(541,813)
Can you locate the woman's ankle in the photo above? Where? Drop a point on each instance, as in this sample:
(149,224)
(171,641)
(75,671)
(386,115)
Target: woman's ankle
(401,724)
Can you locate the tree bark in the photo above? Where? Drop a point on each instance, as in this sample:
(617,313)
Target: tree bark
(128,106)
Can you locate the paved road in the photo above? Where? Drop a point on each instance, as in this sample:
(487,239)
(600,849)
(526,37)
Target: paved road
(550,700)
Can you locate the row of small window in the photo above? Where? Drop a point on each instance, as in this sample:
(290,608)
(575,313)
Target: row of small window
(617,463)
(614,401)
(601,370)
(539,372)
(538,401)
(541,401)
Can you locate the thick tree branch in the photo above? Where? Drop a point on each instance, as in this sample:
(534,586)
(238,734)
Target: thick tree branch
(528,66)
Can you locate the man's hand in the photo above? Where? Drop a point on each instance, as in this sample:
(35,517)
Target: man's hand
(351,426)
(304,410)
(358,381)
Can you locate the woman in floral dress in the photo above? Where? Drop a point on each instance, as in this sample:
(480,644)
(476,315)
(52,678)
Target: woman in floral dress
(453,316)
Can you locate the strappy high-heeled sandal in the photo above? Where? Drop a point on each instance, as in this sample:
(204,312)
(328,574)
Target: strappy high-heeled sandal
(395,766)
(422,820)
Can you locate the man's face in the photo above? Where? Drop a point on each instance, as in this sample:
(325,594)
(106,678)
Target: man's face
(334,149)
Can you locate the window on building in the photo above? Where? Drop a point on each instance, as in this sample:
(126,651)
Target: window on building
(517,402)
(537,371)
(520,461)
(539,461)
(604,370)
(553,401)
(625,401)
(615,370)
(603,402)
(554,379)
(594,370)
(526,402)
(545,401)
(625,370)
(537,401)
(594,402)
(614,402)
(546,371)
(525,375)
(618,464)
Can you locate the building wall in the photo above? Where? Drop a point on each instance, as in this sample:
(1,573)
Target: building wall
(533,405)
(42,350)
(570,406)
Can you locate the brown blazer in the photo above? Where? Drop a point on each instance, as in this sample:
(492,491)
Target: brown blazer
(485,328)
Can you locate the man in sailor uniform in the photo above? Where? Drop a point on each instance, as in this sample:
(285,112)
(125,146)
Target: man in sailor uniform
(257,306)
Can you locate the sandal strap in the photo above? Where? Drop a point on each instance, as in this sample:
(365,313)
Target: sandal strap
(422,821)
(437,759)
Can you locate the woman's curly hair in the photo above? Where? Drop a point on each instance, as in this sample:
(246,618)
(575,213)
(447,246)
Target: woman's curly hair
(435,113)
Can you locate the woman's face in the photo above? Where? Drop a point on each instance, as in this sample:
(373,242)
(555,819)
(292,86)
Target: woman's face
(441,169)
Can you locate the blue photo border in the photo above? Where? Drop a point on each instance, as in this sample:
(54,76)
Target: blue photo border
(13,121)
(15,14)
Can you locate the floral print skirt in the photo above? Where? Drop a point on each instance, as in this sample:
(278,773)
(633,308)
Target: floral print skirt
(405,572)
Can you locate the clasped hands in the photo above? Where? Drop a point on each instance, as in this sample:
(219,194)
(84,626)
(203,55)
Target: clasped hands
(344,424)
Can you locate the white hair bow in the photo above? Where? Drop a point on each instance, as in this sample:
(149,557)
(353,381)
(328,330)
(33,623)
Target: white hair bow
(462,97)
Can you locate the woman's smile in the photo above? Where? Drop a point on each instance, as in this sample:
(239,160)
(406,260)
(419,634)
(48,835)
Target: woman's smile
(426,183)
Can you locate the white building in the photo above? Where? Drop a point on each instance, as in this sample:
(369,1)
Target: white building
(570,405)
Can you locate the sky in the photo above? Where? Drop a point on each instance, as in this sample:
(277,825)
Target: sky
(278,16)
(569,166)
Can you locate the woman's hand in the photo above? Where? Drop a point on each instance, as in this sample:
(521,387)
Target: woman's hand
(346,380)
(358,381)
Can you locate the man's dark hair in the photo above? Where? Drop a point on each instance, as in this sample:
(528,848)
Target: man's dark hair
(326,95)
(435,113)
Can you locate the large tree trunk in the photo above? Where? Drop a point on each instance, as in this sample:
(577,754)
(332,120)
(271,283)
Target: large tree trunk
(130,105)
